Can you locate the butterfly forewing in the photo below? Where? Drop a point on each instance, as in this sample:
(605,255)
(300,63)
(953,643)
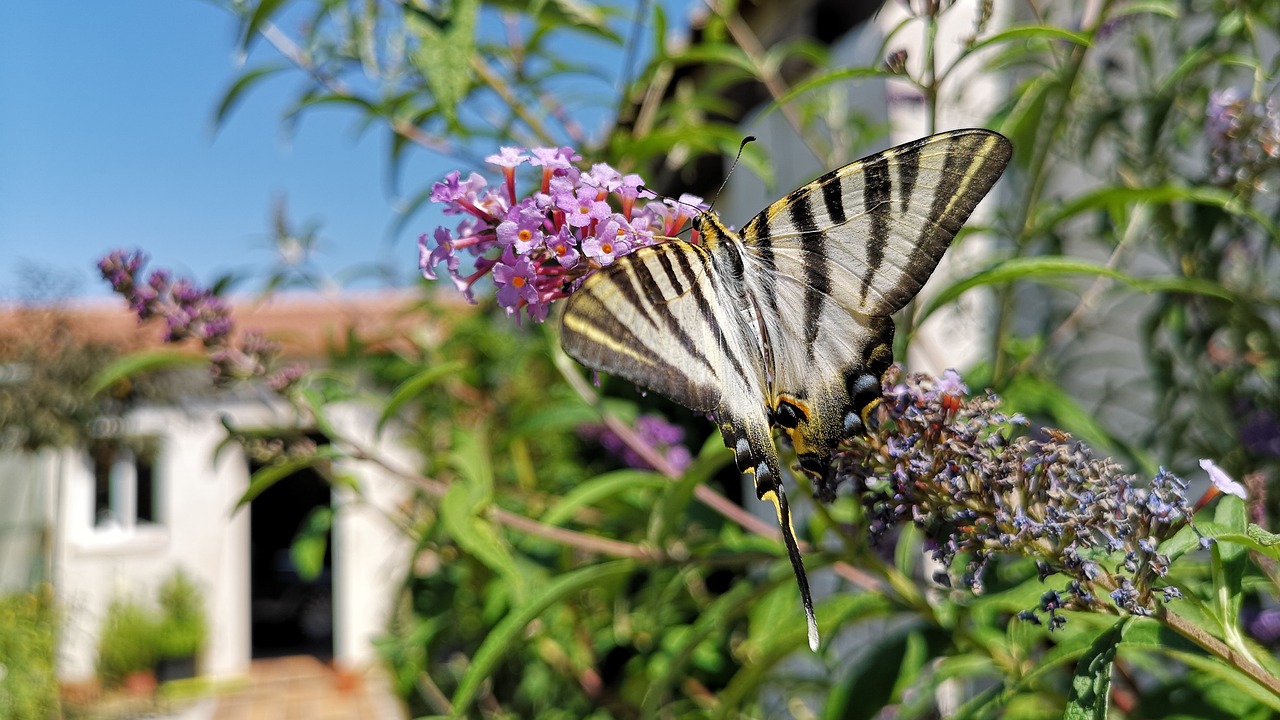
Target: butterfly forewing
(832,260)
(870,234)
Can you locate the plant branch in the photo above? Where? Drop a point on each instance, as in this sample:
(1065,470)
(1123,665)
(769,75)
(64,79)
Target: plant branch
(294,53)
(563,536)
(1218,649)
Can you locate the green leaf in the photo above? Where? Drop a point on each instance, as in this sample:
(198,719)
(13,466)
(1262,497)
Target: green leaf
(1051,267)
(507,632)
(781,632)
(1091,686)
(261,15)
(813,83)
(307,551)
(1033,32)
(414,387)
(600,488)
(666,518)
(471,459)
(445,47)
(140,362)
(269,475)
(872,682)
(233,94)
(1117,197)
(479,537)
(1230,560)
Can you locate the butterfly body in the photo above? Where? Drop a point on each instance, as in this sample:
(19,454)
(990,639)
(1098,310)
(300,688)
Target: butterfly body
(787,323)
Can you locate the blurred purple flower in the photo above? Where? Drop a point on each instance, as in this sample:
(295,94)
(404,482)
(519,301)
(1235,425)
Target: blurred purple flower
(193,312)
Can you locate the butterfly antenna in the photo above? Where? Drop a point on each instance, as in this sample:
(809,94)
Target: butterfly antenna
(741,146)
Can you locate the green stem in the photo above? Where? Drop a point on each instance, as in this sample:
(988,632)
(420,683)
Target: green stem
(1036,177)
(1219,649)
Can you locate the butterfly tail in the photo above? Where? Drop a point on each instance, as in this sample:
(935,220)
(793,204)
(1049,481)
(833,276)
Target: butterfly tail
(752,443)
(768,487)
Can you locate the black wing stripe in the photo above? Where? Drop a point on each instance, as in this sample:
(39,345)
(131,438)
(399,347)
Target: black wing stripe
(709,310)
(678,286)
(644,276)
(908,162)
(833,196)
(972,165)
(756,234)
(631,290)
(876,190)
(817,268)
(602,320)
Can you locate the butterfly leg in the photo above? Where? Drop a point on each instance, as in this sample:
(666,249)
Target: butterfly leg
(755,454)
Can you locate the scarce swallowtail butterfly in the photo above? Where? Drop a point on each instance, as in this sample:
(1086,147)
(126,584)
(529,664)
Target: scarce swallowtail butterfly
(787,322)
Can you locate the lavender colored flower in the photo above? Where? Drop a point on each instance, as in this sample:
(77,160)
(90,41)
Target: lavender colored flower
(564,248)
(193,313)
(516,283)
(508,157)
(583,208)
(539,247)
(654,431)
(977,488)
(1222,481)
(443,252)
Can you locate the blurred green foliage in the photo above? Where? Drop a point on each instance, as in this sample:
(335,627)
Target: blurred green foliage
(1135,301)
(28,647)
(135,634)
(128,641)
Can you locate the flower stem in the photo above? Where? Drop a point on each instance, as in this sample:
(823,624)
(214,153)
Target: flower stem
(1219,649)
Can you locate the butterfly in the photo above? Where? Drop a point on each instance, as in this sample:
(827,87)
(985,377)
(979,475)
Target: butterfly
(787,322)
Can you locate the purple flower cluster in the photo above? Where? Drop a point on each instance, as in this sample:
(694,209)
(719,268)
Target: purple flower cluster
(959,470)
(193,312)
(538,248)
(654,430)
(1243,137)
(189,311)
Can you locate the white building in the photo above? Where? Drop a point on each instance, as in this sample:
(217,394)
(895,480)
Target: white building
(118,521)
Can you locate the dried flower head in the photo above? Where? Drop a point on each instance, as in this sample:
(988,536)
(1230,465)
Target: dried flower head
(1244,139)
(978,484)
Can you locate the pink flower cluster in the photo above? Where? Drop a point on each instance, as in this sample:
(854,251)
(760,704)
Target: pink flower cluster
(539,247)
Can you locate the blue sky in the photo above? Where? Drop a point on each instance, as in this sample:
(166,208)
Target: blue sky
(106,141)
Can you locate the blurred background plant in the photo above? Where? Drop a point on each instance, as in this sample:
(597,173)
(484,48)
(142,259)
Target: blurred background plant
(128,641)
(28,628)
(1132,287)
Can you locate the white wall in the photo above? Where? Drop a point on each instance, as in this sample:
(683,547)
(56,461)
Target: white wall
(200,532)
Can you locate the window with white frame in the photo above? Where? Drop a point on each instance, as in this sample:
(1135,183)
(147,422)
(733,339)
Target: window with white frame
(124,483)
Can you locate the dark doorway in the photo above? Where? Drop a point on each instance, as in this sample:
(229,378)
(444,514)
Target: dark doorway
(290,615)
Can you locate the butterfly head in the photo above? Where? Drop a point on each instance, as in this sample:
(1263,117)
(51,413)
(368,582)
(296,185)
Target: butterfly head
(710,229)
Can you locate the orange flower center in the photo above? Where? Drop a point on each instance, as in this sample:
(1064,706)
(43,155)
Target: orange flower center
(606,248)
(517,281)
(525,234)
(561,250)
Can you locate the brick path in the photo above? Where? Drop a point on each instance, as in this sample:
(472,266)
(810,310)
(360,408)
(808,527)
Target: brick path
(303,688)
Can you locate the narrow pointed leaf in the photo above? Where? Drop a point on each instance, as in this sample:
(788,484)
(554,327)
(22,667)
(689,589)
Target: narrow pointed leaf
(508,632)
